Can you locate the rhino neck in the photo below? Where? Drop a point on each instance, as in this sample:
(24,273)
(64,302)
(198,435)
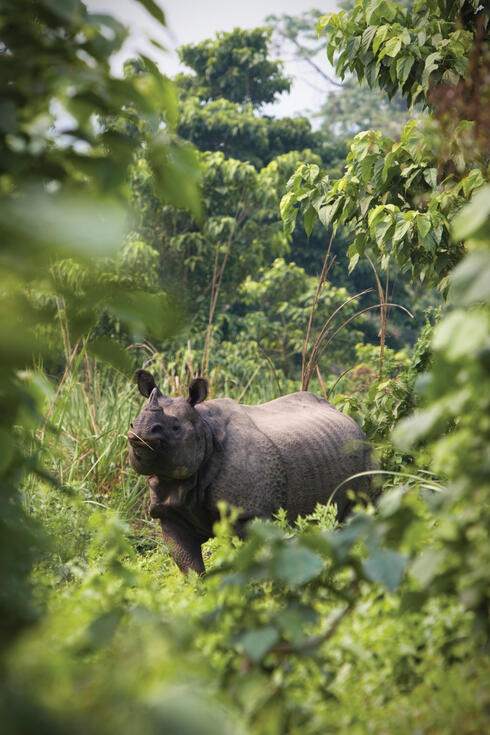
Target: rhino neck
(186,497)
(170,498)
(167,492)
(193,492)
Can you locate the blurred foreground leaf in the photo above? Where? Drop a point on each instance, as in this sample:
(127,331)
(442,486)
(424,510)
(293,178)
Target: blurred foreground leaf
(297,565)
(113,353)
(385,567)
(256,643)
(36,227)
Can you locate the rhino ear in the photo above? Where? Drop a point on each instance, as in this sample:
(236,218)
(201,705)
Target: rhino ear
(146,382)
(198,391)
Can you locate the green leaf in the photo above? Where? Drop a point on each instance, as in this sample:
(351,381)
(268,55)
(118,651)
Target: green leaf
(176,174)
(423,225)
(371,71)
(358,246)
(385,567)
(392,48)
(367,165)
(405,36)
(267,531)
(426,566)
(296,565)
(353,261)
(474,180)
(327,213)
(364,204)
(430,175)
(391,501)
(69,11)
(323,23)
(154,10)
(431,64)
(343,539)
(111,352)
(401,229)
(146,313)
(294,619)
(7,447)
(288,212)
(417,426)
(403,67)
(66,224)
(412,601)
(375,214)
(470,280)
(256,642)
(381,9)
(474,217)
(383,230)
(381,34)
(429,243)
(461,334)
(313,172)
(352,47)
(450,77)
(368,36)
(102,629)
(309,219)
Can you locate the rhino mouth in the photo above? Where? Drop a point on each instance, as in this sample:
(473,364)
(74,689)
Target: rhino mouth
(143,448)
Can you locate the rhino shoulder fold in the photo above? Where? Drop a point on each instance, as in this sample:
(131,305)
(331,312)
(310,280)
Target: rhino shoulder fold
(216,414)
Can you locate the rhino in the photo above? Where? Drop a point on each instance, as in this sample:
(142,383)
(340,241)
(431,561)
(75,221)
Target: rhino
(290,453)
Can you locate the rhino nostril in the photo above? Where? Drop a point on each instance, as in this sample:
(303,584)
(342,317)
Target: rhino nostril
(156,428)
(131,425)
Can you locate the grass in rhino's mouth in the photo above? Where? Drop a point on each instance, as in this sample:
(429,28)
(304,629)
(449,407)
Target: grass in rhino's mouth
(139,441)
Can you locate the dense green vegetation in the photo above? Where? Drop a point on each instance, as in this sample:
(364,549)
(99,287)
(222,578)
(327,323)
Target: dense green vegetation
(141,222)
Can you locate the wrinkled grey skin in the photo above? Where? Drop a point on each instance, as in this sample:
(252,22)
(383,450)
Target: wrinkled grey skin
(291,453)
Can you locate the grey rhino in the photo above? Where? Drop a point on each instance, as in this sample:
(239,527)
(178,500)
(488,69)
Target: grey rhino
(291,452)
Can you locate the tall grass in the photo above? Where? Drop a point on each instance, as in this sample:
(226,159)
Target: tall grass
(83,443)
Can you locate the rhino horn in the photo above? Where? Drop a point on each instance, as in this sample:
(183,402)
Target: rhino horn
(153,401)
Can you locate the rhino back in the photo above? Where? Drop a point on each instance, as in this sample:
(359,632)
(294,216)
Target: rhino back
(319,448)
(291,452)
(251,473)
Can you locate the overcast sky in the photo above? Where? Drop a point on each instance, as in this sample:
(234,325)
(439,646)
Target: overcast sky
(190,21)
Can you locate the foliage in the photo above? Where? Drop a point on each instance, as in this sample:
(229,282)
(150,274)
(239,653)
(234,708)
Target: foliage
(63,185)
(400,48)
(235,67)
(454,562)
(200,255)
(391,200)
(278,306)
(378,401)
(348,107)
(379,625)
(240,228)
(455,419)
(398,197)
(294,628)
(235,130)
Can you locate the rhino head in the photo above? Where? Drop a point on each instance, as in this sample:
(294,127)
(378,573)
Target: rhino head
(169,438)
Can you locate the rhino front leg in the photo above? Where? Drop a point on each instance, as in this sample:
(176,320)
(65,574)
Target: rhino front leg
(183,544)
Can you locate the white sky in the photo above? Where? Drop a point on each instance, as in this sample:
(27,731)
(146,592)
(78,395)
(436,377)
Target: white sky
(191,21)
